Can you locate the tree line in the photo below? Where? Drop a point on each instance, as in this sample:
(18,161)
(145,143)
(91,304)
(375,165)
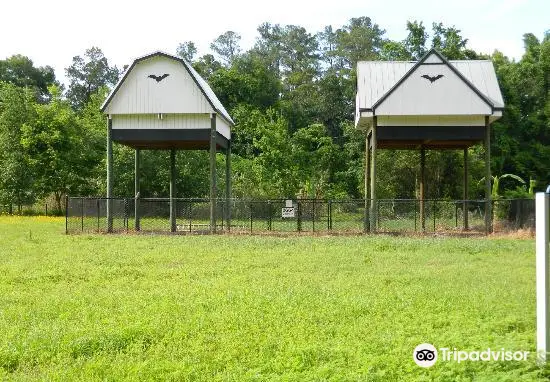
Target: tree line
(292,98)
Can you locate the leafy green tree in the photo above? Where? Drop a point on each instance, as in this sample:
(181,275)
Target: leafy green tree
(87,75)
(314,154)
(274,165)
(299,69)
(247,81)
(17,109)
(394,51)
(350,167)
(335,102)
(449,42)
(299,57)
(56,150)
(522,134)
(187,50)
(206,66)
(226,46)
(359,40)
(327,46)
(20,71)
(415,43)
(93,128)
(269,46)
(263,165)
(495,183)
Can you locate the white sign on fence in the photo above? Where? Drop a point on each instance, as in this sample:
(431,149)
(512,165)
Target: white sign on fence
(287,212)
(542,222)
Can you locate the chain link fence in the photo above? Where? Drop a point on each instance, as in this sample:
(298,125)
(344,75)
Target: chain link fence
(44,209)
(300,215)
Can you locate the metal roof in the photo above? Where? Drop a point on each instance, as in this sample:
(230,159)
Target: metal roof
(376,79)
(201,83)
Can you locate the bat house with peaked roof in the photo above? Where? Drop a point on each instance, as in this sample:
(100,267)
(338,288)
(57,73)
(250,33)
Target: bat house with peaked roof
(433,103)
(161,102)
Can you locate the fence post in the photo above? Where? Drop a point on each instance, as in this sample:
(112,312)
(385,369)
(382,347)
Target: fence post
(366,218)
(433,211)
(270,213)
(299,218)
(229,204)
(66,214)
(251,217)
(97,207)
(82,214)
(190,215)
(223,212)
(46,209)
(126,217)
(456,215)
(329,213)
(542,222)
(313,216)
(414,205)
(377,213)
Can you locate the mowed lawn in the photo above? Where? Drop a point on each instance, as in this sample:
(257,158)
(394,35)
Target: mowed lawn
(239,308)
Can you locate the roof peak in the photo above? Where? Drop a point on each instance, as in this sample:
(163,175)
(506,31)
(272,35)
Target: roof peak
(444,61)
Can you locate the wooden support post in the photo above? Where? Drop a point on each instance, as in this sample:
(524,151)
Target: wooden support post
(213,189)
(367,182)
(228,185)
(542,222)
(173,226)
(137,195)
(373,201)
(422,195)
(109,175)
(488,202)
(465,191)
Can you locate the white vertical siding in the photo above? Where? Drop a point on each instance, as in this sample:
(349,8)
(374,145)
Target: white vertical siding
(168,121)
(433,59)
(177,93)
(222,127)
(436,120)
(449,95)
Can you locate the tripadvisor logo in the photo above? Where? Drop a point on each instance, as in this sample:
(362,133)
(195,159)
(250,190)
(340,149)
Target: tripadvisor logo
(426,355)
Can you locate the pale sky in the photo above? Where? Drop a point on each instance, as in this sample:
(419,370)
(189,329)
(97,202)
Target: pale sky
(52,32)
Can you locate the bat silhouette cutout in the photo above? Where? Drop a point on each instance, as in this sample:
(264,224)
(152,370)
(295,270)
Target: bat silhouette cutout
(158,78)
(432,79)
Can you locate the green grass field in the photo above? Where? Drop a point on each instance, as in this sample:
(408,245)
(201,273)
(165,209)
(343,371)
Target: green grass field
(239,308)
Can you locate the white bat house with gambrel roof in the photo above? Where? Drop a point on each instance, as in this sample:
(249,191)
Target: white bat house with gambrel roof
(433,103)
(161,102)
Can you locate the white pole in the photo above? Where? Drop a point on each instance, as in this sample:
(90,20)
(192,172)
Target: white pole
(542,235)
